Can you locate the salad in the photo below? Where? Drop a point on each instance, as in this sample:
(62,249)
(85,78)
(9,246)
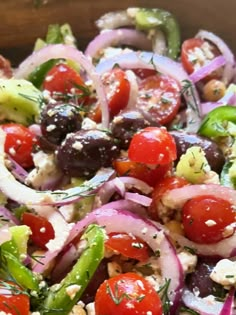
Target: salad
(118,172)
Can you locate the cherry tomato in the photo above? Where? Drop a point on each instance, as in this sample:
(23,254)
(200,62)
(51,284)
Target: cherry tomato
(19,144)
(12,299)
(117,88)
(206,218)
(144,73)
(63,79)
(152,145)
(159,98)
(41,228)
(150,175)
(190,51)
(128,246)
(160,189)
(127,294)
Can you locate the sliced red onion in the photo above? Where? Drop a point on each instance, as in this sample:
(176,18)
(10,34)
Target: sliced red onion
(36,130)
(133,94)
(127,205)
(176,198)
(228,72)
(204,306)
(139,199)
(112,20)
(228,306)
(207,69)
(18,171)
(123,221)
(131,182)
(7,215)
(225,248)
(159,43)
(5,234)
(59,51)
(118,37)
(165,65)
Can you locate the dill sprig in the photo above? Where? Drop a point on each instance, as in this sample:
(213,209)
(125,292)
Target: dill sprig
(163,292)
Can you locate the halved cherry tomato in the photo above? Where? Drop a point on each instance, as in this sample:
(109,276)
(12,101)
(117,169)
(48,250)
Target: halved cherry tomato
(13,300)
(159,98)
(149,174)
(144,73)
(63,79)
(128,246)
(19,144)
(152,145)
(127,294)
(41,228)
(206,218)
(160,189)
(117,88)
(190,51)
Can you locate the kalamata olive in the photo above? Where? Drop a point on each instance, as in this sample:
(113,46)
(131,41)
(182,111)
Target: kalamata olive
(59,120)
(213,153)
(200,282)
(84,152)
(126,124)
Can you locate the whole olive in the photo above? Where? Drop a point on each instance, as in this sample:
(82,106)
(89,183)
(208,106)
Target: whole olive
(213,153)
(59,120)
(126,124)
(84,152)
(200,281)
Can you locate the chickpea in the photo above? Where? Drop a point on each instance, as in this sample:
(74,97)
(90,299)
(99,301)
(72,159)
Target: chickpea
(214,90)
(175,227)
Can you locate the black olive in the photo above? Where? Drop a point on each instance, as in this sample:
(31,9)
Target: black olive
(126,124)
(59,120)
(200,280)
(84,152)
(213,153)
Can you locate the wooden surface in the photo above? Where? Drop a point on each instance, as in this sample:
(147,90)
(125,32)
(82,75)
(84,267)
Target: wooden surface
(22,22)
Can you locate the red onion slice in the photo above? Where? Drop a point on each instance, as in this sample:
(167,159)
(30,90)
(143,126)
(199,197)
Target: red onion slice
(59,51)
(204,306)
(207,69)
(228,72)
(118,37)
(227,308)
(19,172)
(164,65)
(176,198)
(7,215)
(123,221)
(139,199)
(133,94)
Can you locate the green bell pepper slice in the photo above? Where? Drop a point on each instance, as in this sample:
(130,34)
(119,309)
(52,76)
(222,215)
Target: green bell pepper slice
(217,122)
(147,19)
(61,298)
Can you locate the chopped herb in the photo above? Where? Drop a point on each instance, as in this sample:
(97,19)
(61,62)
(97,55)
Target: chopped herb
(190,250)
(163,292)
(115,295)
(188,310)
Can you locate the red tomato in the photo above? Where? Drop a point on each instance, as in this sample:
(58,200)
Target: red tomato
(160,189)
(144,73)
(128,246)
(41,228)
(206,218)
(152,145)
(117,89)
(19,144)
(127,294)
(189,56)
(12,301)
(159,98)
(150,175)
(63,79)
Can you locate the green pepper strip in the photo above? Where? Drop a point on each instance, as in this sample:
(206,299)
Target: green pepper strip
(147,19)
(12,269)
(215,123)
(59,300)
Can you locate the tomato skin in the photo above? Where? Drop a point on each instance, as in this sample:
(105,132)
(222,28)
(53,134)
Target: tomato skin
(160,189)
(150,175)
(128,246)
(11,303)
(159,98)
(41,228)
(206,217)
(19,143)
(127,294)
(152,145)
(117,88)
(62,79)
